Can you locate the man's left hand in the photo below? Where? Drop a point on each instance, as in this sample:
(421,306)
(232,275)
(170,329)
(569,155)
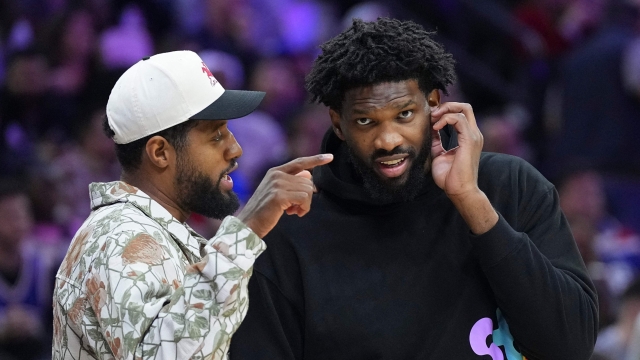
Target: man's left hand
(456,171)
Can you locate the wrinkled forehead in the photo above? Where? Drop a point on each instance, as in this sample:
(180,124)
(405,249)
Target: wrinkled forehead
(382,94)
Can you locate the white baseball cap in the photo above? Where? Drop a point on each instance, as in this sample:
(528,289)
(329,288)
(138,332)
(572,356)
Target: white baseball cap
(166,89)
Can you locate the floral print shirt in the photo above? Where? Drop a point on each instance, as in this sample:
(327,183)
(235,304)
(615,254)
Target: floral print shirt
(138,284)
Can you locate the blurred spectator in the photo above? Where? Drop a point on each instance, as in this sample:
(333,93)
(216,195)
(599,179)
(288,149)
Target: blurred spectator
(307,131)
(539,16)
(72,44)
(230,26)
(367,11)
(283,86)
(125,44)
(580,18)
(73,50)
(25,106)
(25,280)
(20,37)
(600,117)
(304,25)
(90,159)
(225,67)
(503,134)
(189,16)
(582,198)
(621,341)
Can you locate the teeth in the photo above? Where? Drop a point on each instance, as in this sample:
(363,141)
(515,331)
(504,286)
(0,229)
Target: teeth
(392,162)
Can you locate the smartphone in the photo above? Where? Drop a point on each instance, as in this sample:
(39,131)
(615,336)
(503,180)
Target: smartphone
(449,137)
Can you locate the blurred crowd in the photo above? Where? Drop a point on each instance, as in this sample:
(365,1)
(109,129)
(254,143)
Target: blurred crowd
(556,82)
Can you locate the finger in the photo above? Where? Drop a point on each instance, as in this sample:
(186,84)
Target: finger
(304,163)
(289,182)
(296,199)
(305,174)
(296,210)
(466,133)
(436,143)
(305,207)
(455,107)
(458,121)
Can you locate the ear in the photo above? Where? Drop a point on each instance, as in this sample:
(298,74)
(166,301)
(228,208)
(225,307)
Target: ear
(433,99)
(159,152)
(335,120)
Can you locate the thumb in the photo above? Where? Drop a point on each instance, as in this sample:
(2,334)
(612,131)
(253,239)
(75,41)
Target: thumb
(305,174)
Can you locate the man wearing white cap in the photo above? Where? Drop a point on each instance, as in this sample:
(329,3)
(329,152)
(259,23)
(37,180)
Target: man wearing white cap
(137,281)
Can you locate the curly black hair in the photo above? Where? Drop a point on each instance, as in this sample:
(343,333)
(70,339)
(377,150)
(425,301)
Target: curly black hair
(373,52)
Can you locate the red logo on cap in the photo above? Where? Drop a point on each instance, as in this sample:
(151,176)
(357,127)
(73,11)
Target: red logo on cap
(206,70)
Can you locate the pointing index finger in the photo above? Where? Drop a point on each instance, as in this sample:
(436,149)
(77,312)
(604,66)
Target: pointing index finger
(305,163)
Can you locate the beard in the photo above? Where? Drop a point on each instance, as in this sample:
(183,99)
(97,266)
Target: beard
(384,190)
(198,193)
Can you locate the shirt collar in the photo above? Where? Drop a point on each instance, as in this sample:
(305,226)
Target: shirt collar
(104,194)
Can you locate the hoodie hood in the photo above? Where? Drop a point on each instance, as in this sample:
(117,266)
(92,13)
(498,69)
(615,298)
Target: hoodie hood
(340,179)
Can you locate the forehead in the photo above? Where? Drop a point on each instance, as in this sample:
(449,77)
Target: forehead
(379,95)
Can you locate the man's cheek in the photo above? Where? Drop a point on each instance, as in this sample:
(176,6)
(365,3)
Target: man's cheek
(366,158)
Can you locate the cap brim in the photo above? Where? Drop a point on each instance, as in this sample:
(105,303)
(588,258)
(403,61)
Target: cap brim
(231,105)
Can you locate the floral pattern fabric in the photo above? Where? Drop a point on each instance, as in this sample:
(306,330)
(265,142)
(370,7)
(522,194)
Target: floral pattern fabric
(138,284)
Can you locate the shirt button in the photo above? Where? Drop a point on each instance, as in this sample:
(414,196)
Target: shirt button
(249,254)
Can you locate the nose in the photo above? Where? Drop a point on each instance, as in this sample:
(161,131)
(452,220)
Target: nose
(387,137)
(234,150)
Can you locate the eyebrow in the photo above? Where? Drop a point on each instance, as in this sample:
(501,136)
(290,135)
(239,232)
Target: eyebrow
(217,125)
(366,110)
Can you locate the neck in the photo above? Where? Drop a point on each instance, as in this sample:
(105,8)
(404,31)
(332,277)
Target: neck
(159,194)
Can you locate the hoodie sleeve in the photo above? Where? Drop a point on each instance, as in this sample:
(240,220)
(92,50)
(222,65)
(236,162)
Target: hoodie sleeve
(538,277)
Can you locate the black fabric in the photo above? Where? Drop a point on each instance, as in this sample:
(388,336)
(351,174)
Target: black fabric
(232,104)
(358,280)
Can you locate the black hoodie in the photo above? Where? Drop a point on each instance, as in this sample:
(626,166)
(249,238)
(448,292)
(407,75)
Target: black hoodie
(354,279)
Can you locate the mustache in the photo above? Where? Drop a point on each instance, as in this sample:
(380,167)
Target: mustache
(397,150)
(232,164)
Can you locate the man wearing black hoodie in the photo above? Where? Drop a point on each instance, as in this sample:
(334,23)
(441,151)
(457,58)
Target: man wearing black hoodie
(411,251)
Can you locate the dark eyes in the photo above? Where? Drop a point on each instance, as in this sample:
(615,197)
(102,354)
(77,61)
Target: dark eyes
(218,136)
(363,121)
(402,115)
(405,114)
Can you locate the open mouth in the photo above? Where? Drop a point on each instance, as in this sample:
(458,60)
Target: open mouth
(393,166)
(226,182)
(392,163)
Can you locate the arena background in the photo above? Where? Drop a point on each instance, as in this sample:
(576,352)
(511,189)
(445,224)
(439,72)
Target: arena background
(556,82)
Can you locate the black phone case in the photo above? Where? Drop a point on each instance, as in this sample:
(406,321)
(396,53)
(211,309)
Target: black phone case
(449,137)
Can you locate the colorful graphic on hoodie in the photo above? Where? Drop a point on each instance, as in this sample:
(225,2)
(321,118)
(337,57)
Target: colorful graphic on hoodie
(501,337)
